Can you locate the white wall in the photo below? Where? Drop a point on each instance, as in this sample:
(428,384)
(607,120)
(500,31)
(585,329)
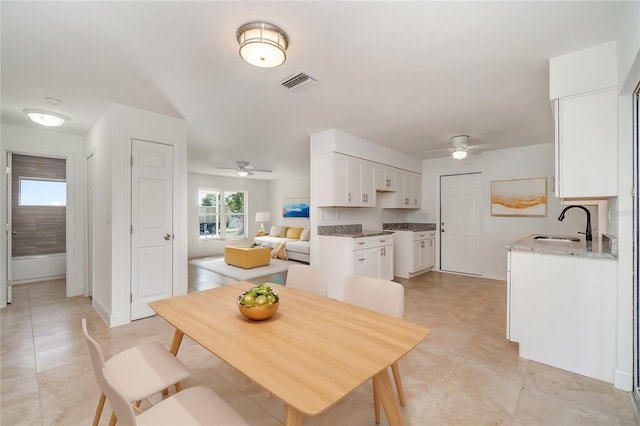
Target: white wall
(286,188)
(109,141)
(628,57)
(257,201)
(516,163)
(51,143)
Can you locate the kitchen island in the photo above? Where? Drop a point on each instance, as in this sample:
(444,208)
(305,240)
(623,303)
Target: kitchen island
(561,303)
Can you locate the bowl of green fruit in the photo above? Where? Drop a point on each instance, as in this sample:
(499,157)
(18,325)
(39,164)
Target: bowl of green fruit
(258,303)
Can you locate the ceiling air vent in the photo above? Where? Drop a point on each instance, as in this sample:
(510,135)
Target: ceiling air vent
(299,81)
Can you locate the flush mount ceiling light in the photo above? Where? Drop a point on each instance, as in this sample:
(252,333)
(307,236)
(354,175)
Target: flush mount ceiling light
(46,118)
(262,44)
(459,154)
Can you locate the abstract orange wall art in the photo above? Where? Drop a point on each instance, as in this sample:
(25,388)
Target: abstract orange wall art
(519,197)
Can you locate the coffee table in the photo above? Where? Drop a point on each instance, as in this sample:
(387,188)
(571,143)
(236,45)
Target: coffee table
(247,257)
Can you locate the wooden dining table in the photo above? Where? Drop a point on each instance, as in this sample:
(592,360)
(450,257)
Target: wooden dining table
(313,352)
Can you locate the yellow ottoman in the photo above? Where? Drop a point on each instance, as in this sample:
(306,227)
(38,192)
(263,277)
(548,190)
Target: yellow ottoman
(247,257)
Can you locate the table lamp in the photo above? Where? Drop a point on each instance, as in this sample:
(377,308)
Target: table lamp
(262,217)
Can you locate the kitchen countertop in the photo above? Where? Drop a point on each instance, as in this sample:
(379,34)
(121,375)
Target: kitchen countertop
(595,249)
(409,226)
(361,234)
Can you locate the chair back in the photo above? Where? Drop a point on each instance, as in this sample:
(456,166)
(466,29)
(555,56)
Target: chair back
(119,403)
(306,278)
(97,357)
(386,297)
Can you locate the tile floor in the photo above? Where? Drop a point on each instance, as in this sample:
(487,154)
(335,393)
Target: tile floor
(464,373)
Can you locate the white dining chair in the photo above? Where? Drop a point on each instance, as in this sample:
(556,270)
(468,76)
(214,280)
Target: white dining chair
(197,405)
(140,371)
(306,278)
(383,296)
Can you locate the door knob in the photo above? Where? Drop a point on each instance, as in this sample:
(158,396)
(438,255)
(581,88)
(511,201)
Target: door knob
(167,237)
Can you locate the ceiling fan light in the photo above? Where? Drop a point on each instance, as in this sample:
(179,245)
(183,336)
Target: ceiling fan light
(243,173)
(46,118)
(262,44)
(459,154)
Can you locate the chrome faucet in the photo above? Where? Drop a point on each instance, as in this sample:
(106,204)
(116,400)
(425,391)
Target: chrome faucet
(587,233)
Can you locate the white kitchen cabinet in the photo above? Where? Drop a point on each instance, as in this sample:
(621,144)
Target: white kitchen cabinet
(385,178)
(586,145)
(562,311)
(414,252)
(341,257)
(408,194)
(349,181)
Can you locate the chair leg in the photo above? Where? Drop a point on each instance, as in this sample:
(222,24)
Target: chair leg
(376,406)
(99,408)
(395,368)
(112,419)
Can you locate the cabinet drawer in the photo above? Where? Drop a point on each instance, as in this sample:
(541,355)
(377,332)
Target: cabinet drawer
(368,242)
(423,235)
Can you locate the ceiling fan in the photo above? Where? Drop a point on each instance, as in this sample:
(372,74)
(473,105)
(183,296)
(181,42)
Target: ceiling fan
(461,147)
(244,168)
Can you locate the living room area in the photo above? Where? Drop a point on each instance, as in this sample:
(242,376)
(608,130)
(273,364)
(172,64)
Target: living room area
(214,197)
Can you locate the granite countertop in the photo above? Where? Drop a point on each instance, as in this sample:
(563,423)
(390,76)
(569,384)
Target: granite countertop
(410,226)
(361,234)
(595,249)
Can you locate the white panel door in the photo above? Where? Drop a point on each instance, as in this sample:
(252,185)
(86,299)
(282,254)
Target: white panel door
(9,210)
(152,225)
(460,237)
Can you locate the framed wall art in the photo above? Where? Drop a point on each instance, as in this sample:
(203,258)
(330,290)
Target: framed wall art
(519,197)
(295,207)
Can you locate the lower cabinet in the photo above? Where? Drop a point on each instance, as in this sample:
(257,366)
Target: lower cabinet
(414,252)
(562,311)
(341,257)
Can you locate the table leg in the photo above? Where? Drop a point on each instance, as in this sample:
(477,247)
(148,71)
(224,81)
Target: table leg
(293,417)
(382,383)
(177,339)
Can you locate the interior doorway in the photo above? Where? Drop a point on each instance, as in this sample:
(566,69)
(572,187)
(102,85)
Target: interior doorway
(460,224)
(36,196)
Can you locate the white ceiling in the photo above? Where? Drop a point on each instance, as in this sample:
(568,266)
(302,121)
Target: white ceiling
(407,75)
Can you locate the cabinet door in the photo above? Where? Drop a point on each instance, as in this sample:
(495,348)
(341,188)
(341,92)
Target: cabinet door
(417,258)
(416,191)
(340,181)
(430,260)
(385,262)
(365,262)
(367,184)
(586,145)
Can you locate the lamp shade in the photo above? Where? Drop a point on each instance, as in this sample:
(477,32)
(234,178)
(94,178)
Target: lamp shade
(263,217)
(262,44)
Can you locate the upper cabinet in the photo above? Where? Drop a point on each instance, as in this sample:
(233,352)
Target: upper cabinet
(586,145)
(408,194)
(350,181)
(385,177)
(347,171)
(582,89)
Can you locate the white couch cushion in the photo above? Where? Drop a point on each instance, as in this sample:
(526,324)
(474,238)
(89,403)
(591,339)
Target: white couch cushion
(298,246)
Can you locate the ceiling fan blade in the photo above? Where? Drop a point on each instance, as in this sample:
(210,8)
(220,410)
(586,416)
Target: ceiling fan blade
(483,146)
(227,168)
(261,170)
(439,150)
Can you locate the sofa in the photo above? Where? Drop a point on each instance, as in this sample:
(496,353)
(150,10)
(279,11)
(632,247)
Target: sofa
(295,240)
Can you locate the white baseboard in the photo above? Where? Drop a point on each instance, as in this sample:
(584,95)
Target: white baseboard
(623,380)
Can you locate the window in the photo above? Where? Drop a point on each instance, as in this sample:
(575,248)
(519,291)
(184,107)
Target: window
(221,214)
(42,192)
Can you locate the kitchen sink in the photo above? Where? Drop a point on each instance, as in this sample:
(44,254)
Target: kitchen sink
(556,238)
